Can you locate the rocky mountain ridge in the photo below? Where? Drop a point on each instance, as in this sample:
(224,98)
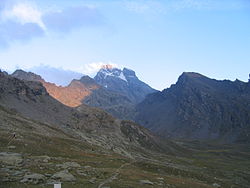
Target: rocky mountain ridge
(43,142)
(85,91)
(197,107)
(30,99)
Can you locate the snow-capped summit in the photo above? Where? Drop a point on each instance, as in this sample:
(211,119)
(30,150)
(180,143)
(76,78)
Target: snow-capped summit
(124,82)
(109,70)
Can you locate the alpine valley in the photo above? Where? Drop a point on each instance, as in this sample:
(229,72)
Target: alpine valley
(115,131)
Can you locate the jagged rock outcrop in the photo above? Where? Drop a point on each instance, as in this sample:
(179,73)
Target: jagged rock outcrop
(124,82)
(197,107)
(28,76)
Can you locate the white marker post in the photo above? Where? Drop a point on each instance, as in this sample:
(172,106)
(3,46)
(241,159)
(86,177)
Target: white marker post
(57,185)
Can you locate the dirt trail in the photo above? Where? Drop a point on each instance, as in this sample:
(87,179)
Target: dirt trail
(114,176)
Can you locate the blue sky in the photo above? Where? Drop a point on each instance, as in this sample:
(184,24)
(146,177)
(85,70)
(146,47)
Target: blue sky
(157,39)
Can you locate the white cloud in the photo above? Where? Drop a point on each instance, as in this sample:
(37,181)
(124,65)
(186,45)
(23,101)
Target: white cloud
(92,68)
(24,13)
(22,20)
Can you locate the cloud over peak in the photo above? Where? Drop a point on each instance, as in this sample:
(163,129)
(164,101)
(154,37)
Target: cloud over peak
(92,68)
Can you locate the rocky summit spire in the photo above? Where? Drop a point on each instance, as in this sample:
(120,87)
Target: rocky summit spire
(124,82)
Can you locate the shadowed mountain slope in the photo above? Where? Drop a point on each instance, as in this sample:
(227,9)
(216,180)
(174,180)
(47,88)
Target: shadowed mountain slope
(197,107)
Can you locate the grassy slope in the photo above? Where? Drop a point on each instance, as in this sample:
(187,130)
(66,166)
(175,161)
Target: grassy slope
(207,164)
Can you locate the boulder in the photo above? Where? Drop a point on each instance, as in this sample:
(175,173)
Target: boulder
(147,182)
(33,178)
(64,176)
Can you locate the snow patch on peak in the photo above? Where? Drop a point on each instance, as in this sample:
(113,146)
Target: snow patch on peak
(121,76)
(106,74)
(114,72)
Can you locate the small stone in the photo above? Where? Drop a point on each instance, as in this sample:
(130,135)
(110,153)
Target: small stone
(81,173)
(44,158)
(67,165)
(17,173)
(147,182)
(52,182)
(92,180)
(87,167)
(11,147)
(160,178)
(216,185)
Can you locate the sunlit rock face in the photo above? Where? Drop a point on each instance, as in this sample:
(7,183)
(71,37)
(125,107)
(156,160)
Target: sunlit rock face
(71,95)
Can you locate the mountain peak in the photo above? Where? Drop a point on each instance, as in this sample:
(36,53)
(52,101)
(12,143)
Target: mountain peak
(186,77)
(89,82)
(192,74)
(110,71)
(29,76)
(4,72)
(129,72)
(198,107)
(123,82)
